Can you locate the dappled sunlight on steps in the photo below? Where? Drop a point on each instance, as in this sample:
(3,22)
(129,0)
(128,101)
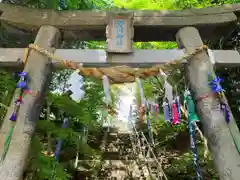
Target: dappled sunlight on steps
(119,161)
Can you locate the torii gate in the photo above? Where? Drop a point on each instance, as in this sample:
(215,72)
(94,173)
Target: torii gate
(183,26)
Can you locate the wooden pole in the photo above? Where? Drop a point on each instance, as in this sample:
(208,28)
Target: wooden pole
(39,70)
(225,155)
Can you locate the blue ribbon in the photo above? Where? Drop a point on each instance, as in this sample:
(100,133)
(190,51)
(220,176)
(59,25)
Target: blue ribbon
(225,110)
(23,83)
(166,111)
(58,149)
(192,132)
(60,142)
(215,84)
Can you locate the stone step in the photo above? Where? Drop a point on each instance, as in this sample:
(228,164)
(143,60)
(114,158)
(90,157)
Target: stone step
(121,139)
(117,161)
(119,134)
(117,156)
(126,169)
(121,169)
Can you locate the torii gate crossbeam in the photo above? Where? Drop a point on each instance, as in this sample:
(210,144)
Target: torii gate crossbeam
(148,26)
(13,57)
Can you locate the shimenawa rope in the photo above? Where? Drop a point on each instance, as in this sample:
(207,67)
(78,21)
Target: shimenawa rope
(118,74)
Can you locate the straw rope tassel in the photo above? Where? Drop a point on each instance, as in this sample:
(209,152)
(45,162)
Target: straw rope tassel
(26,53)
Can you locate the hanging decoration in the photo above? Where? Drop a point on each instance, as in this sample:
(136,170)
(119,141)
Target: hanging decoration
(168,88)
(175,115)
(190,106)
(58,149)
(106,117)
(217,88)
(225,110)
(167,111)
(60,142)
(149,123)
(106,87)
(21,85)
(170,107)
(141,92)
(145,110)
(75,83)
(215,83)
(177,101)
(142,109)
(192,132)
(192,118)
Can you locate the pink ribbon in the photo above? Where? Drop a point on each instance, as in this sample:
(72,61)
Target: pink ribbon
(175,116)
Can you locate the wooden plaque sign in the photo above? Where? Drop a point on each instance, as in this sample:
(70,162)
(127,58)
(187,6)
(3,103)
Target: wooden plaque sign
(119,33)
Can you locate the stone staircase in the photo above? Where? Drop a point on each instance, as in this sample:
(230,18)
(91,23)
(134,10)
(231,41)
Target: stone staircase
(119,160)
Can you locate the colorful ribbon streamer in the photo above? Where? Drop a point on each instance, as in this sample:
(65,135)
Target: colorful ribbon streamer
(217,88)
(168,88)
(192,118)
(175,115)
(21,85)
(106,87)
(60,142)
(149,123)
(225,110)
(192,132)
(105,115)
(177,101)
(167,110)
(215,83)
(190,106)
(141,91)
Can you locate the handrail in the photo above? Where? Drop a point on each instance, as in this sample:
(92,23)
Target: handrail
(149,148)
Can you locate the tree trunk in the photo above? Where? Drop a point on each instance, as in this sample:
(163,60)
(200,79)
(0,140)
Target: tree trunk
(225,155)
(39,70)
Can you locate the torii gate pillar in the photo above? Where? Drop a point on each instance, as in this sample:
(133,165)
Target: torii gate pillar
(40,69)
(225,155)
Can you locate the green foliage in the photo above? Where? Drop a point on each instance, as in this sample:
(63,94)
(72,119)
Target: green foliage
(7,87)
(143,4)
(43,167)
(86,112)
(83,113)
